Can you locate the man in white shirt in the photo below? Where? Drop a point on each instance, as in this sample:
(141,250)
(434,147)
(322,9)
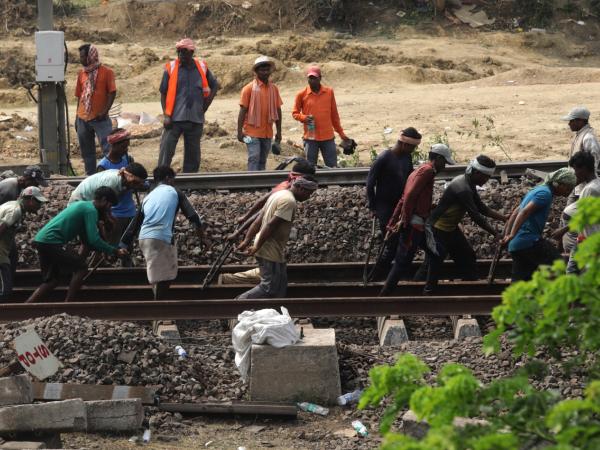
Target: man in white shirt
(585,138)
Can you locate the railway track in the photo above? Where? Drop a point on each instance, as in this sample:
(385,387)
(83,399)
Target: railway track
(124,293)
(228,309)
(348,176)
(297,273)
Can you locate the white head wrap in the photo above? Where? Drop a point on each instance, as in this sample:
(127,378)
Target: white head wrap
(475,165)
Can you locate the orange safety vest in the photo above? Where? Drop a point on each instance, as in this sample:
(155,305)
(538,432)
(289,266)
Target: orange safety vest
(172,69)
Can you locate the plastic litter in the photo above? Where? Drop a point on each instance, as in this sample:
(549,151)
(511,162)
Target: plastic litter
(349,398)
(28,128)
(387,130)
(311,407)
(181,352)
(361,430)
(146,436)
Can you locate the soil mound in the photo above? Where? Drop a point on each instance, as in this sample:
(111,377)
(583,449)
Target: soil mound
(17,68)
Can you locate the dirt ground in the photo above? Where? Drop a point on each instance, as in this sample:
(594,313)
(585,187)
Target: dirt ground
(497,92)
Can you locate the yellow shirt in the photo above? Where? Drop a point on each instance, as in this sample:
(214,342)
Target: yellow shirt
(283,205)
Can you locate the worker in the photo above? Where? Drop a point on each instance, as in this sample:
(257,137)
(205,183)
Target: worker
(260,107)
(124,211)
(270,232)
(155,222)
(316,108)
(525,227)
(585,137)
(79,219)
(11,187)
(187,90)
(95,91)
(301,168)
(385,185)
(413,209)
(460,197)
(120,180)
(11,216)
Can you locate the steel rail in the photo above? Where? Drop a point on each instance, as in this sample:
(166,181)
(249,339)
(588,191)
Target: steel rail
(346,176)
(297,273)
(228,309)
(194,292)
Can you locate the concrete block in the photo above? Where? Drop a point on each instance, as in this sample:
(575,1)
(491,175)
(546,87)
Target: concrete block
(306,371)
(391,331)
(16,390)
(465,327)
(22,445)
(413,426)
(68,415)
(114,415)
(169,331)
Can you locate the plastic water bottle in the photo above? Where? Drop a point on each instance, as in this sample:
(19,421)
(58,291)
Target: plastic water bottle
(311,407)
(310,129)
(181,352)
(360,429)
(146,436)
(349,398)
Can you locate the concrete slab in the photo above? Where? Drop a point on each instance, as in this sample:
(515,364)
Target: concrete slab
(114,415)
(392,331)
(307,371)
(465,327)
(22,445)
(16,390)
(169,331)
(67,415)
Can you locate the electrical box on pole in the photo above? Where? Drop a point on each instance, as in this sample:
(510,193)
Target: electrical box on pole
(50,56)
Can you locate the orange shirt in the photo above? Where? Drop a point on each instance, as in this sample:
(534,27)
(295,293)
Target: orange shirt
(105,84)
(266,129)
(322,107)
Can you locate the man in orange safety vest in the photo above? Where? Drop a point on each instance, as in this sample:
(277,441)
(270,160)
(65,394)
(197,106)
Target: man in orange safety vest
(186,91)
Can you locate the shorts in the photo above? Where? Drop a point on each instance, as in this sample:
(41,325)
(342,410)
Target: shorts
(161,260)
(56,260)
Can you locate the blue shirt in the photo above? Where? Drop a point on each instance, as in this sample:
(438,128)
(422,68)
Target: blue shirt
(189,99)
(532,229)
(159,208)
(126,206)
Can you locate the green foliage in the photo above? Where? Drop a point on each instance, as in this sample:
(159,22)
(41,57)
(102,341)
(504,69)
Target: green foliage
(553,312)
(486,129)
(352,160)
(535,13)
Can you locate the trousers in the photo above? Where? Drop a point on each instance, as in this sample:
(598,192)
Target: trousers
(526,261)
(87,132)
(273,281)
(192,134)
(328,151)
(258,150)
(455,244)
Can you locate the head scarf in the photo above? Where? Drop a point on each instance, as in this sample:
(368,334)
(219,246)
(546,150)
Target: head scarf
(122,135)
(186,43)
(305,184)
(91,68)
(408,140)
(475,165)
(565,176)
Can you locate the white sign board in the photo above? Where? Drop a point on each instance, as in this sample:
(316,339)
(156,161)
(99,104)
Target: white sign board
(35,357)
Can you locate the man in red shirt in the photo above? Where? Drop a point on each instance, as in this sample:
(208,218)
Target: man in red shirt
(95,92)
(316,108)
(260,108)
(411,212)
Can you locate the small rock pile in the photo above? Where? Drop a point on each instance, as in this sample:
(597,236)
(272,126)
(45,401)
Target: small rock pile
(103,352)
(334,225)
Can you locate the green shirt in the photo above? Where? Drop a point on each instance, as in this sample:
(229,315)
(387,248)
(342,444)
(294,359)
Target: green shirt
(11,214)
(78,219)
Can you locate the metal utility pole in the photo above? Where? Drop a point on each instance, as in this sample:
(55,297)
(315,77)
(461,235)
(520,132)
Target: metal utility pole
(52,124)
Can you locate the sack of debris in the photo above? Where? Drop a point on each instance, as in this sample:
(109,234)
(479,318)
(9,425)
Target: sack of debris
(265,326)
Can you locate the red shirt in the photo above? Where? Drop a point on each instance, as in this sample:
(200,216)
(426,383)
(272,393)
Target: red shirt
(322,106)
(417,196)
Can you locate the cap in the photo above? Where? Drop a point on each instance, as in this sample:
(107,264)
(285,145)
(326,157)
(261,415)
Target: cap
(579,112)
(36,173)
(263,60)
(34,191)
(443,150)
(313,71)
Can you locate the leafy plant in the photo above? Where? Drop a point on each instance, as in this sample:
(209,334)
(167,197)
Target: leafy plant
(486,129)
(554,312)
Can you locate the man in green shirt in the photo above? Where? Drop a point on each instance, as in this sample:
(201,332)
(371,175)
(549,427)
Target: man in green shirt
(11,215)
(79,219)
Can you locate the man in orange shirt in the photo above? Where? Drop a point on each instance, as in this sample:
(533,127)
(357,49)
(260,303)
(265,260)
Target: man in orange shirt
(315,107)
(95,92)
(260,107)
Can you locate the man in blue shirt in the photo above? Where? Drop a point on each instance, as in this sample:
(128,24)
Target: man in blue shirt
(155,221)
(123,211)
(186,91)
(525,227)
